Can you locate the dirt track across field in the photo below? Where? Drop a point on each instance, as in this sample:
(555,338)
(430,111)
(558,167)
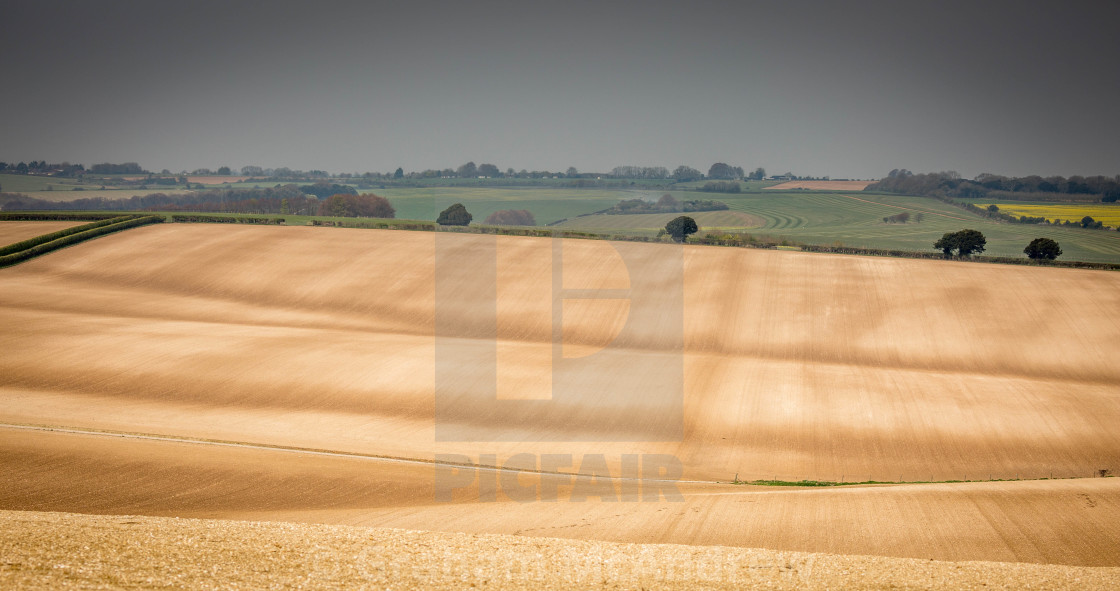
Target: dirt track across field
(795,365)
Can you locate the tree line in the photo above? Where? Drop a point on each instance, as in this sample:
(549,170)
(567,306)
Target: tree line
(992,186)
(41,167)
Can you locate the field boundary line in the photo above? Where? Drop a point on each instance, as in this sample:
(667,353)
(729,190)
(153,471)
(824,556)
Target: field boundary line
(315,451)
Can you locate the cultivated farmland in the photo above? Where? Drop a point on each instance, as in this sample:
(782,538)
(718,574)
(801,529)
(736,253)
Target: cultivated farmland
(12,232)
(278,368)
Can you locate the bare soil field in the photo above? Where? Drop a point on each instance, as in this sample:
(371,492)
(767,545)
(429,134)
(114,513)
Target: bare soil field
(61,551)
(822,185)
(1057,521)
(796,366)
(12,232)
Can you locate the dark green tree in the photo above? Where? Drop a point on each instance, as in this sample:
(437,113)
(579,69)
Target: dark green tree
(489,171)
(721,170)
(965,243)
(224,171)
(456,215)
(681,227)
(399,173)
(1043,248)
(970,241)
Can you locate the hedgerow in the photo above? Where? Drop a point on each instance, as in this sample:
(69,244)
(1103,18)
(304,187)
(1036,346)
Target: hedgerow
(30,242)
(220,219)
(70,239)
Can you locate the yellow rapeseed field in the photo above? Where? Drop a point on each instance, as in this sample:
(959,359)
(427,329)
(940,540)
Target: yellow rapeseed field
(1109,214)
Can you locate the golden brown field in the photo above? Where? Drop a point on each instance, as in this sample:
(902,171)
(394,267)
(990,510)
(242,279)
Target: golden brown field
(822,185)
(12,232)
(63,551)
(286,375)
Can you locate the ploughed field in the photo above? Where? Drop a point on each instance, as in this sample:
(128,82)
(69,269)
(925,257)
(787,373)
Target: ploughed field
(289,374)
(12,232)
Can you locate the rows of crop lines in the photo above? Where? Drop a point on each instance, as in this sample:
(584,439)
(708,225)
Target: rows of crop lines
(1008,239)
(651,223)
(546,205)
(856,219)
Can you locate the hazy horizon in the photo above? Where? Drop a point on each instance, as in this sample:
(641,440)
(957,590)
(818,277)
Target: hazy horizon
(847,91)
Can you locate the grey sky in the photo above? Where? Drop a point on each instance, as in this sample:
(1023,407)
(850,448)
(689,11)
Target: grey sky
(843,89)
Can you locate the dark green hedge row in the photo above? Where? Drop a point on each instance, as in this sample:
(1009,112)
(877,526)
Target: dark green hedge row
(38,216)
(25,244)
(34,251)
(374,225)
(221,219)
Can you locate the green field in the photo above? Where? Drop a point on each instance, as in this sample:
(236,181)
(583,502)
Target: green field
(856,219)
(66,189)
(744,185)
(547,205)
(22,183)
(651,223)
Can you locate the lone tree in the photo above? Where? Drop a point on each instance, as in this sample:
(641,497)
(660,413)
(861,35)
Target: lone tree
(964,242)
(1043,249)
(680,228)
(456,215)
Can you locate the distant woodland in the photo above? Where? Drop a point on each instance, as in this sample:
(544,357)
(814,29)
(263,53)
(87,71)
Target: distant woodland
(993,186)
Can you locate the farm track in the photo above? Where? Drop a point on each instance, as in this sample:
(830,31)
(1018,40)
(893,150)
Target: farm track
(796,366)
